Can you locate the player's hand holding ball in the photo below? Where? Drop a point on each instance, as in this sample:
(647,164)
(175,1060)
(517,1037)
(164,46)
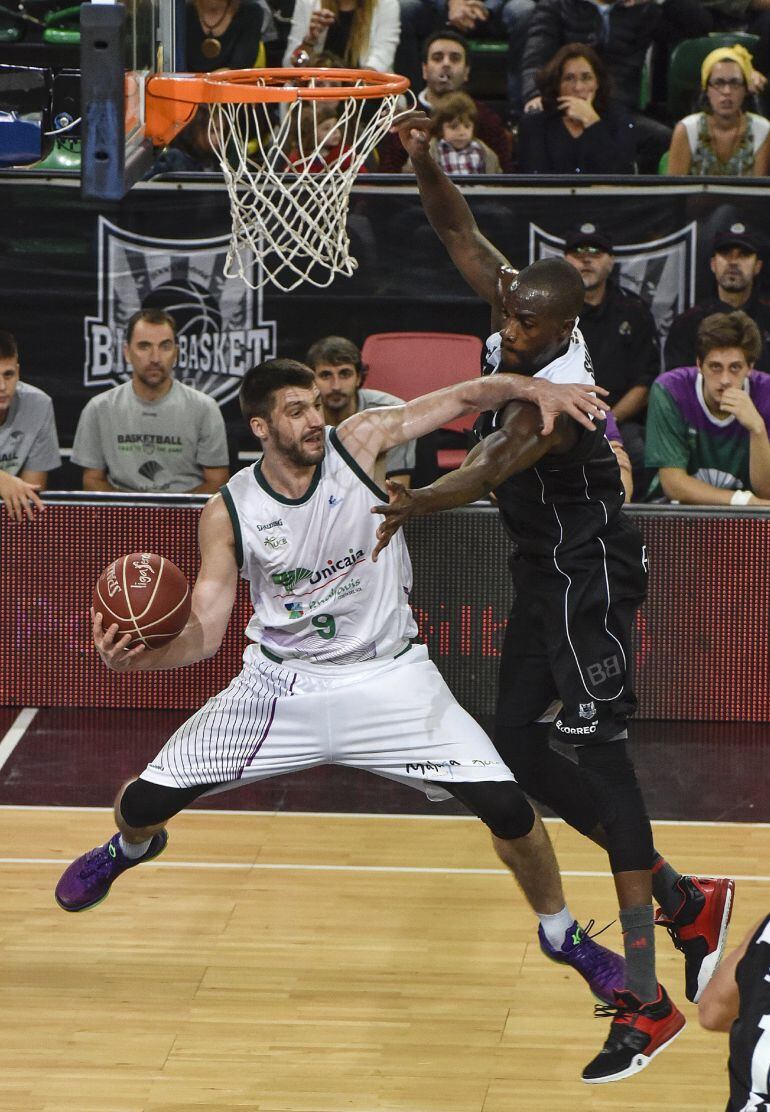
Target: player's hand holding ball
(141,601)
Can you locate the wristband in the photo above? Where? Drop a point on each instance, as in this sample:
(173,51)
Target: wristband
(741,498)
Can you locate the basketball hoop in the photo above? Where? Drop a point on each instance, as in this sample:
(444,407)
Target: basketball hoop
(289,212)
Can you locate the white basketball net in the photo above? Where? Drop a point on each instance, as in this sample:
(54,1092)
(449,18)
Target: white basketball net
(291,215)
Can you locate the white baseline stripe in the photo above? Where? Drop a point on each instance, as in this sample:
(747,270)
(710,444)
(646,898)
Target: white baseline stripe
(295,867)
(243,813)
(17,731)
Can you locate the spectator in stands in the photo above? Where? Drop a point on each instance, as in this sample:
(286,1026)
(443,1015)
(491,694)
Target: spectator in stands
(582,128)
(223,34)
(190,152)
(29,447)
(320,139)
(364,33)
(621,34)
(723,139)
(692,19)
(621,337)
(152,433)
(615,438)
(735,264)
(707,426)
(737,999)
(454,144)
(445,70)
(339,374)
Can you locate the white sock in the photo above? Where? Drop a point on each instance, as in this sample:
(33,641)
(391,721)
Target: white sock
(556,926)
(132,850)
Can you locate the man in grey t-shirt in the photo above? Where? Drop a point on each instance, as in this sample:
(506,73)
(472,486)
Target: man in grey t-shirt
(29,447)
(336,363)
(152,433)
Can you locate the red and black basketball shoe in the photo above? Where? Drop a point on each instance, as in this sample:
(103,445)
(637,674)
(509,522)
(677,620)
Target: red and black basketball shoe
(699,928)
(637,1033)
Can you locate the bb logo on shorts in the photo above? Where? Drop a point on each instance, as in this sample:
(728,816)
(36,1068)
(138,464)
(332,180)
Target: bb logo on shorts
(587,710)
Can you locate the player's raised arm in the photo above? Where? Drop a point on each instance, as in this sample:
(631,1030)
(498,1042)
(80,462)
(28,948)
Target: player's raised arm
(212,602)
(475,257)
(517,445)
(372,431)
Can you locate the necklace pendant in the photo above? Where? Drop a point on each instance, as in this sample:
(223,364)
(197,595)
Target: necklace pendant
(211,47)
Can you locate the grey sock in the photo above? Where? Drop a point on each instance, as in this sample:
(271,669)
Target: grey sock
(664,889)
(133,850)
(639,945)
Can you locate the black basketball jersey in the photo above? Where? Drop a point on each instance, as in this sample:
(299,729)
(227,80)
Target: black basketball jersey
(567,501)
(749,1064)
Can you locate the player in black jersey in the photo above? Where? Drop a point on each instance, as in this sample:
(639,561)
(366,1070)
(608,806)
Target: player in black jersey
(580,574)
(737,1000)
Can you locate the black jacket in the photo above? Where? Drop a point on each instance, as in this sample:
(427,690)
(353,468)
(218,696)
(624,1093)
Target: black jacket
(679,350)
(622,340)
(607,147)
(557,22)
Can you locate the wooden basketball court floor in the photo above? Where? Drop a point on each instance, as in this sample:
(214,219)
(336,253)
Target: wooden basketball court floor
(286,961)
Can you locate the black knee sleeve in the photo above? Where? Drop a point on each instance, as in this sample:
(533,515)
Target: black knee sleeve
(501,805)
(146,804)
(622,812)
(548,776)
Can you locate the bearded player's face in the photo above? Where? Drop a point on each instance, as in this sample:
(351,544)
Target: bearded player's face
(295,428)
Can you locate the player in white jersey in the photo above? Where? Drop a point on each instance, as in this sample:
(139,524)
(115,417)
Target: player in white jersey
(331,674)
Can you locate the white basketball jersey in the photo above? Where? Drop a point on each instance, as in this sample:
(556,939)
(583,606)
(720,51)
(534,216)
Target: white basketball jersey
(316,594)
(574,366)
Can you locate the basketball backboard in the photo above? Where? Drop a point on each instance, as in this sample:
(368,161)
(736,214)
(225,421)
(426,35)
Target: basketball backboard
(121,45)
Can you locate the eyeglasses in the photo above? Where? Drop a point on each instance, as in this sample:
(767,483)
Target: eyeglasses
(587,249)
(731,83)
(577,78)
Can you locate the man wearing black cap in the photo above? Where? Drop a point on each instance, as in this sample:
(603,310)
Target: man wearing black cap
(621,335)
(735,265)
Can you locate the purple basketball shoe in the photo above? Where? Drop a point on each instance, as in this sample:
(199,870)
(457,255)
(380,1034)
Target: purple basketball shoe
(87,881)
(604,970)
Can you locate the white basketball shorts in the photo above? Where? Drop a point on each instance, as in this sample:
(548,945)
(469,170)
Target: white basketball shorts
(395,717)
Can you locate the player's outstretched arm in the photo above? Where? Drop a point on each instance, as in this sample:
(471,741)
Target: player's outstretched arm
(519,444)
(718,1006)
(475,257)
(212,603)
(372,431)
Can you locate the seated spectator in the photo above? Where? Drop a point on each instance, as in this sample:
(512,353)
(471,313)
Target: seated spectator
(454,144)
(190,152)
(694,19)
(737,999)
(152,433)
(29,447)
(339,374)
(707,426)
(421,20)
(445,70)
(364,33)
(723,139)
(581,129)
(621,34)
(621,335)
(615,438)
(736,265)
(222,34)
(320,133)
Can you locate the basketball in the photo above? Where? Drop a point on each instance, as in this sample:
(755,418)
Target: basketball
(146,595)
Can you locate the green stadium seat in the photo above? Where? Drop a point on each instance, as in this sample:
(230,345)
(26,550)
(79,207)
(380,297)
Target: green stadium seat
(63,25)
(663,164)
(686,60)
(489,69)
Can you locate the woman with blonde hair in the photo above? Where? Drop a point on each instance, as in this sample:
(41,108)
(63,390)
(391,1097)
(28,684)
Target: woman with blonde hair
(364,33)
(723,139)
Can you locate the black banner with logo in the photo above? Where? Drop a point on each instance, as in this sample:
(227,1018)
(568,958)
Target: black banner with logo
(74,274)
